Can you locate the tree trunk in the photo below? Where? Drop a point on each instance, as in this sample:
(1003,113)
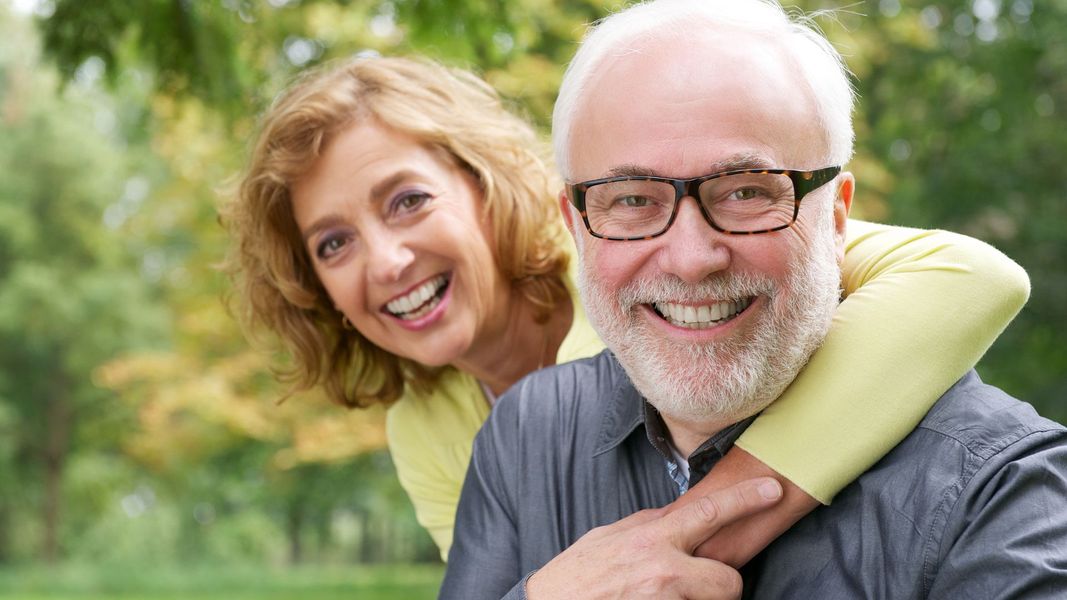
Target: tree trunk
(295,530)
(366,543)
(58,416)
(5,532)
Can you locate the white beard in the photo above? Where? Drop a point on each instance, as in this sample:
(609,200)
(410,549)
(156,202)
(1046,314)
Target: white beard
(726,381)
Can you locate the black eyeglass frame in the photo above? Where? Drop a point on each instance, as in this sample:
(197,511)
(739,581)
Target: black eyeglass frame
(804,182)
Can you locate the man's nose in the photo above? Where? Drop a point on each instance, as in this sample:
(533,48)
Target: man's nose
(692,249)
(388,257)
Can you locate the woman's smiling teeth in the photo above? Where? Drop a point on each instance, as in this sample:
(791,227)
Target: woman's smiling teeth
(419,301)
(699,317)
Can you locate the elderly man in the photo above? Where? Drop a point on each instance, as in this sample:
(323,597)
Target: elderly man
(706,141)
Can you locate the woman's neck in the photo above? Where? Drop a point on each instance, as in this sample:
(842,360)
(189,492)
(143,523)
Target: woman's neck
(523,347)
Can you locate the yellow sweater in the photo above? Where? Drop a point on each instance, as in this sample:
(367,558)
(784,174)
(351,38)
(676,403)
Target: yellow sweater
(921,308)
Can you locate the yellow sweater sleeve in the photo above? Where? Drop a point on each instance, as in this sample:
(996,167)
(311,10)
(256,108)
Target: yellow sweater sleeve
(921,308)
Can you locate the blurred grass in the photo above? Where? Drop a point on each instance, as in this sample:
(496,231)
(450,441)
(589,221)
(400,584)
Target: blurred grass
(83,582)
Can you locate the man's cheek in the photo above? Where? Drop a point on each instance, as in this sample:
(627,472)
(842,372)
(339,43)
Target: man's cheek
(614,264)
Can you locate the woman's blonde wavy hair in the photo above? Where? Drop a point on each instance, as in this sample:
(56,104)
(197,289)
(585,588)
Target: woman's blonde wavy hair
(447,109)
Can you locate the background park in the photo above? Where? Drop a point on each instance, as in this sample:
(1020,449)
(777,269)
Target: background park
(143,450)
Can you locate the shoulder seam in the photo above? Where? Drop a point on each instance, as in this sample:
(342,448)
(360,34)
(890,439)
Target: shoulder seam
(945,507)
(986,451)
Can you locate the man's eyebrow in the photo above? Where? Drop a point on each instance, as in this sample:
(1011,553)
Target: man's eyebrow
(631,170)
(732,163)
(738,162)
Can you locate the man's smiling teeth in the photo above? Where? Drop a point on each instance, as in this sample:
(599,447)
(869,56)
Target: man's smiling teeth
(698,317)
(420,301)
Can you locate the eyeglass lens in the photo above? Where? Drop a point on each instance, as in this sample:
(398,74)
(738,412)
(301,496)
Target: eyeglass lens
(741,202)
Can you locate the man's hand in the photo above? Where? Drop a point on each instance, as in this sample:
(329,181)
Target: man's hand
(649,554)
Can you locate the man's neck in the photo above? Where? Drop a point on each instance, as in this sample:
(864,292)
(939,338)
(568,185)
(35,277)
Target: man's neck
(687,436)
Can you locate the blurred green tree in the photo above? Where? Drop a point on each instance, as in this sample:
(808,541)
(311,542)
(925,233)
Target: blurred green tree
(960,125)
(71,292)
(234,54)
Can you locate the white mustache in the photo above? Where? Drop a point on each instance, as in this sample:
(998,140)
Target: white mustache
(673,289)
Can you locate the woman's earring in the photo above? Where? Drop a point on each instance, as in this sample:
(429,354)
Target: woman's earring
(345,323)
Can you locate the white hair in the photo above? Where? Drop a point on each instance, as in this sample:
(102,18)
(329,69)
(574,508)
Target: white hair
(820,65)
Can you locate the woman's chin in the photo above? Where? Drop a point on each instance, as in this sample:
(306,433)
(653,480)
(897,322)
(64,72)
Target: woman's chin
(430,354)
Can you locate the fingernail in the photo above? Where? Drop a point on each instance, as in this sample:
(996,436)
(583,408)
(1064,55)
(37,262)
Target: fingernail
(770,490)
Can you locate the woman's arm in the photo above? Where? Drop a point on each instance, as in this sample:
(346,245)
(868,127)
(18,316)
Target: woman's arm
(921,308)
(433,494)
(430,444)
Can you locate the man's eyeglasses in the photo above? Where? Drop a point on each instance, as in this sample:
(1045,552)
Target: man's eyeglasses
(747,201)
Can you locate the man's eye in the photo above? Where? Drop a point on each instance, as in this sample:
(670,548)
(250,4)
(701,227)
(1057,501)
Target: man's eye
(634,201)
(746,194)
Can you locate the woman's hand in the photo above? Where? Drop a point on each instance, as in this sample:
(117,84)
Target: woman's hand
(737,542)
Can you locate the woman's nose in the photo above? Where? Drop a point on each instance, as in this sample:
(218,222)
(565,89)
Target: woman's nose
(388,257)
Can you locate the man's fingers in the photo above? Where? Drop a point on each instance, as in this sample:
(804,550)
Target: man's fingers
(688,526)
(709,580)
(632,520)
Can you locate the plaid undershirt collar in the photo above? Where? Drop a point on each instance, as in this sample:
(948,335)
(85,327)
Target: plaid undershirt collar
(702,459)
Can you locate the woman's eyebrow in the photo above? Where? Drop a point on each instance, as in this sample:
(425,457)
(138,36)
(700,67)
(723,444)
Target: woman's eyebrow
(380,189)
(377,192)
(325,222)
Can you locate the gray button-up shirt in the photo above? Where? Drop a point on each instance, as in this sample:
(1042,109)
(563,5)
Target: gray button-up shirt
(972,504)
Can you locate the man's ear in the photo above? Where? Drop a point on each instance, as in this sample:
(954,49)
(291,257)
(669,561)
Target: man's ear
(567,209)
(846,188)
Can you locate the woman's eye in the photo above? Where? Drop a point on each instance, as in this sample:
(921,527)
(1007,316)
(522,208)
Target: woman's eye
(330,246)
(409,202)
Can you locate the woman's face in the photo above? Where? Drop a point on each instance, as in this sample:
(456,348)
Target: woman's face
(395,232)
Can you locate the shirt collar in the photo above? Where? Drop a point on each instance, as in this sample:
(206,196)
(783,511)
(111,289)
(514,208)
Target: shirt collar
(714,448)
(626,409)
(623,410)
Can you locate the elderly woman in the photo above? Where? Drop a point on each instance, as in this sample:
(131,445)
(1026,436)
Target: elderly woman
(398,229)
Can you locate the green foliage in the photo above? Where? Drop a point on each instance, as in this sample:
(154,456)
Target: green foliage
(70,294)
(191,45)
(233,54)
(963,107)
